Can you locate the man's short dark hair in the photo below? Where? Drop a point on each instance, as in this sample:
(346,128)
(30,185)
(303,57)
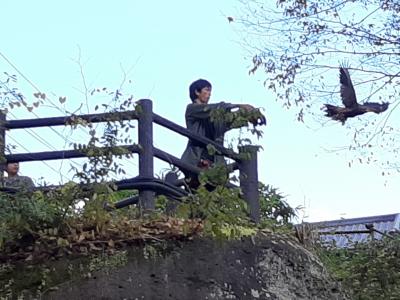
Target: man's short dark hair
(198,85)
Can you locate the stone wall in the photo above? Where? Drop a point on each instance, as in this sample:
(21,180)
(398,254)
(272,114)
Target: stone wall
(267,266)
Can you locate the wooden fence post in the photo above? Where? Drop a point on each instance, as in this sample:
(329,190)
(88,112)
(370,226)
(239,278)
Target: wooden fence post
(3,118)
(146,155)
(249,179)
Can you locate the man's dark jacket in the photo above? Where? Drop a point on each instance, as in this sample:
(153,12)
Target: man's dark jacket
(199,121)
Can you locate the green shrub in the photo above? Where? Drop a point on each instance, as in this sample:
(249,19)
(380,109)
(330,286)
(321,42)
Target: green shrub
(21,214)
(368,271)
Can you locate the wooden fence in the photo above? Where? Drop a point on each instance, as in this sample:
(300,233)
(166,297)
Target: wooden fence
(146,183)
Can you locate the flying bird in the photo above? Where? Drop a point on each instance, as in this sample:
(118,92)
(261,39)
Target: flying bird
(230,19)
(351,107)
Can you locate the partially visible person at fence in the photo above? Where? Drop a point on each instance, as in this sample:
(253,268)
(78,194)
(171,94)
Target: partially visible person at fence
(201,119)
(15,181)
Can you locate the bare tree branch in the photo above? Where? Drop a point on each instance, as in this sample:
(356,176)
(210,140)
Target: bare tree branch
(299,45)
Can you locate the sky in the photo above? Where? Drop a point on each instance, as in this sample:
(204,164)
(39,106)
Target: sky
(160,47)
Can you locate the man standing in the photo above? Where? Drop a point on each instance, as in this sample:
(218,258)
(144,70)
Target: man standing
(199,120)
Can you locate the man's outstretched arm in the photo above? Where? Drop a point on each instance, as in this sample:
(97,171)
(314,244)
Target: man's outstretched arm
(204,111)
(222,112)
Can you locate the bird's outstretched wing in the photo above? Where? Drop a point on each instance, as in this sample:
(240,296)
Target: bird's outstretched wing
(347,91)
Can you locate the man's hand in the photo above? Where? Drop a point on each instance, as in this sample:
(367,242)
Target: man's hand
(259,119)
(204,164)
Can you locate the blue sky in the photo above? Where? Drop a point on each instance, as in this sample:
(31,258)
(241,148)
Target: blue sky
(162,47)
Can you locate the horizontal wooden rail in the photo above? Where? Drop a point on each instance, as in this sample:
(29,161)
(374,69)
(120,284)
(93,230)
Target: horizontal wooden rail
(51,155)
(194,137)
(58,121)
(232,167)
(175,161)
(160,154)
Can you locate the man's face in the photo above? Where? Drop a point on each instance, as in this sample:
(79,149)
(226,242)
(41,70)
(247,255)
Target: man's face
(204,95)
(12,169)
